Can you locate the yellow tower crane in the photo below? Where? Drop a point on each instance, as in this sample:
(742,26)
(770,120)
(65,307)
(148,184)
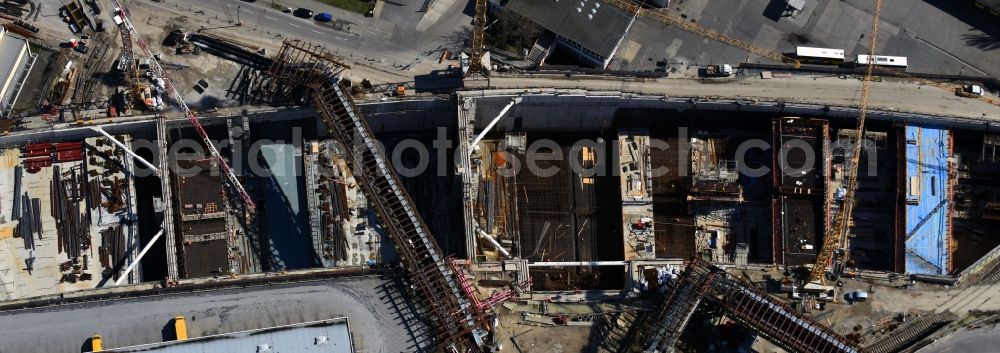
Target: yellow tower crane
(837,233)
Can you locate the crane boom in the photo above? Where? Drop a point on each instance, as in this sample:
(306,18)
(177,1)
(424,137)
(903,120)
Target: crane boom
(155,66)
(838,231)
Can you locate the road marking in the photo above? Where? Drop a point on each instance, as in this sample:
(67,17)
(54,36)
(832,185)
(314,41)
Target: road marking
(248,11)
(270,18)
(294,25)
(317,31)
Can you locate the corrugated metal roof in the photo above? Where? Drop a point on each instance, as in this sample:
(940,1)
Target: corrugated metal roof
(304,337)
(928,202)
(10,49)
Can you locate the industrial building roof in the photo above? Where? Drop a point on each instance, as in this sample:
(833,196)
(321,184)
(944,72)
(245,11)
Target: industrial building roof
(10,47)
(12,50)
(596,26)
(927,200)
(328,336)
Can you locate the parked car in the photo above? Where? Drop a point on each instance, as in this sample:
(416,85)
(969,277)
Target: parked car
(287,10)
(303,13)
(856,296)
(323,17)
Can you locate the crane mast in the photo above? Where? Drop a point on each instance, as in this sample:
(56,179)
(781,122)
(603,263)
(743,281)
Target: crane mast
(837,234)
(154,65)
(478,41)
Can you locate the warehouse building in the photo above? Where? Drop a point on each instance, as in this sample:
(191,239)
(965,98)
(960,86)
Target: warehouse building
(16,61)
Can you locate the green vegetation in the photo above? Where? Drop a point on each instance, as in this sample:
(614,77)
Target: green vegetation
(359,6)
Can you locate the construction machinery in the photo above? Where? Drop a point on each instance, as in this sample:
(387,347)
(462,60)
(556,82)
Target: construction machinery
(714,70)
(127,64)
(129,31)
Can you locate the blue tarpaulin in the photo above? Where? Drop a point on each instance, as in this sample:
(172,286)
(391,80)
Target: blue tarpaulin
(927,200)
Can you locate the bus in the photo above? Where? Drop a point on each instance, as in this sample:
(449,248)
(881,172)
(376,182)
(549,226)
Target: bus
(820,55)
(898,62)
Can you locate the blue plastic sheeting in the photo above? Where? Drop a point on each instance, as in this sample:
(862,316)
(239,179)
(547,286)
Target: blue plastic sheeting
(927,200)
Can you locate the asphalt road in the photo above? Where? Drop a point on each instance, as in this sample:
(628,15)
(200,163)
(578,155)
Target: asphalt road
(380,319)
(888,95)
